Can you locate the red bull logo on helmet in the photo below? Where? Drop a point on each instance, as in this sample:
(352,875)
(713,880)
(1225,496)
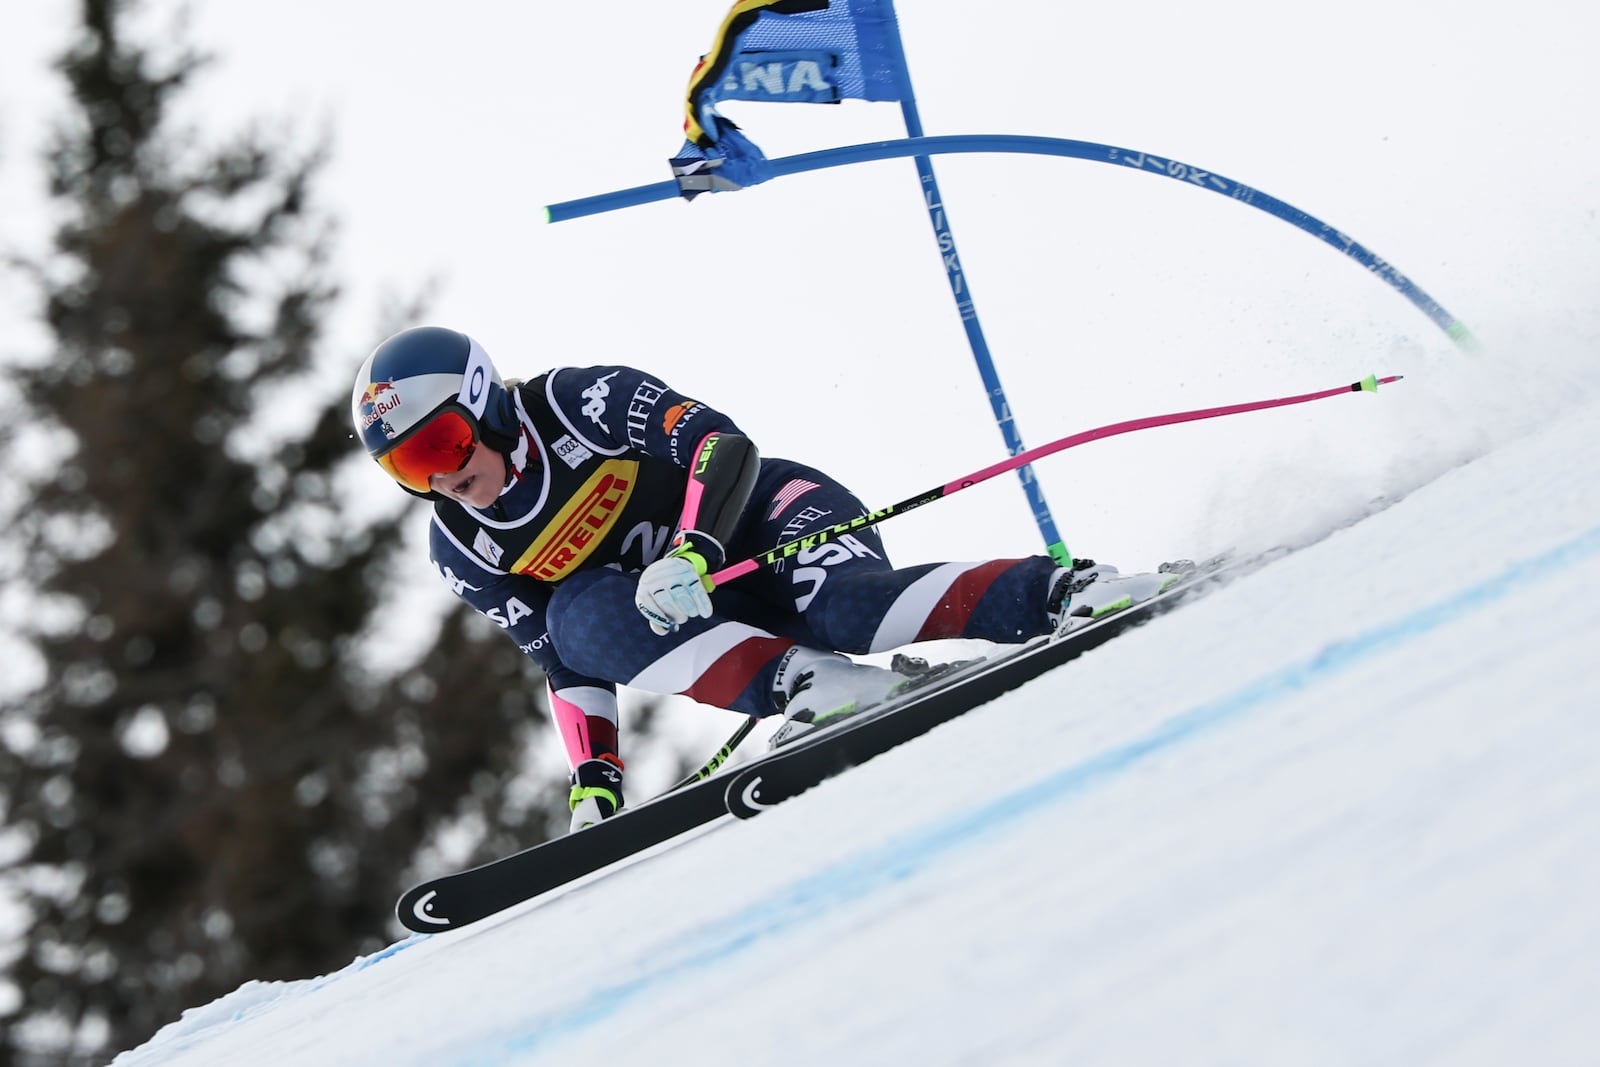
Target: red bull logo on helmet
(376,401)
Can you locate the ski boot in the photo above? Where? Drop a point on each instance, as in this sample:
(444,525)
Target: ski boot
(1090,591)
(816,688)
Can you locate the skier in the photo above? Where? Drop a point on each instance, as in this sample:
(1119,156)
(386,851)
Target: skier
(582,512)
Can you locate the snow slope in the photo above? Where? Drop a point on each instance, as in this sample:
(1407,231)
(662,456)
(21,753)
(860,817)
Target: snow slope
(1342,811)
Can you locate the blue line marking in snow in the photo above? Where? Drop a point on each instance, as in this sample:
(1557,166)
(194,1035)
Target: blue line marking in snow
(383,954)
(851,879)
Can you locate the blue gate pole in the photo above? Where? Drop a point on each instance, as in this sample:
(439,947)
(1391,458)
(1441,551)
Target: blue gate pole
(969,311)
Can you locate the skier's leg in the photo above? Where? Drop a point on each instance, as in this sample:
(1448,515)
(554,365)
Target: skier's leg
(851,598)
(719,661)
(854,600)
(599,632)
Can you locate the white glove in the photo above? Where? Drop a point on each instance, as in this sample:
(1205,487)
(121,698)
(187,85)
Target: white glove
(671,592)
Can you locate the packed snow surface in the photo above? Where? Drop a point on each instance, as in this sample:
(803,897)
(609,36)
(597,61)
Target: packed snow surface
(1343,810)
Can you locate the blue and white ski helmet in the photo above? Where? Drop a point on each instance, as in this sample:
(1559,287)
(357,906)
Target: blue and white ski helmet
(409,384)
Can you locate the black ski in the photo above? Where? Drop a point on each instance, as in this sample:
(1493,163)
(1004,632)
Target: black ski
(454,900)
(815,757)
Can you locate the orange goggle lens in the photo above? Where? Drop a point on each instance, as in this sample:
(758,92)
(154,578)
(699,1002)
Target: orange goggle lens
(442,445)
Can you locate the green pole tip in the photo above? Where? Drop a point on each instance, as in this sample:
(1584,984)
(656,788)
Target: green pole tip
(547,215)
(1369,383)
(1463,337)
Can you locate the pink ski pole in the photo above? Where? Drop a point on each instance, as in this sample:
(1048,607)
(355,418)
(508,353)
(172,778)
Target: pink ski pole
(1369,384)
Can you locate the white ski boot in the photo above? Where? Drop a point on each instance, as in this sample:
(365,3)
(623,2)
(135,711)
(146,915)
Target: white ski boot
(814,688)
(1090,591)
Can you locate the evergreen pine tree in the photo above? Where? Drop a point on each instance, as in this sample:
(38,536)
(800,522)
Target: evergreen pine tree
(212,784)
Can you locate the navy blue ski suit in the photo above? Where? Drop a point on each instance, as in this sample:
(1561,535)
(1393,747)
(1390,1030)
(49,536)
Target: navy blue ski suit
(596,488)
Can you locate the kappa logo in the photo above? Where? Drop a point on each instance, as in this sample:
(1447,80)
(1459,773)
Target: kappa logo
(457,585)
(571,452)
(487,547)
(580,526)
(596,396)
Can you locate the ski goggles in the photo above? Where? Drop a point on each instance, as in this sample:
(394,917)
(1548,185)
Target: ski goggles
(442,445)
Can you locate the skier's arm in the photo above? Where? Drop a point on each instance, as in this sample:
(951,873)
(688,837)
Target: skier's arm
(614,409)
(677,588)
(720,480)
